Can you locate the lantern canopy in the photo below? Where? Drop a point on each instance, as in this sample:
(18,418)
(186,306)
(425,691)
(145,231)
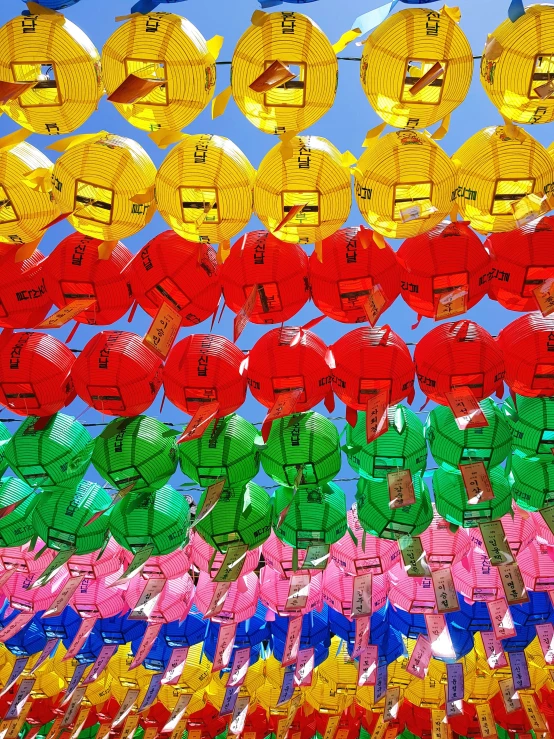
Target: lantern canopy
(526,344)
(459,507)
(24,300)
(15,527)
(532,424)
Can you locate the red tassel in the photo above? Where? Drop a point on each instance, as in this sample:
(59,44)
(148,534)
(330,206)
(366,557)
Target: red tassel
(72,332)
(423,406)
(416,324)
(162,403)
(329,401)
(133,311)
(351,416)
(313,322)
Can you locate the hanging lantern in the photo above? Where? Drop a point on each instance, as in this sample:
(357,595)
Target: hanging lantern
(284,559)
(175,271)
(526,345)
(139,451)
(459,354)
(208,559)
(249,634)
(358,553)
(24,301)
(240,602)
(497,167)
(211,205)
(15,526)
(185,634)
(339,591)
(95,599)
(537,567)
(106,185)
(111,558)
(481,582)
(416,67)
(22,558)
(205,368)
(454,503)
(167,566)
(404,183)
(117,374)
(274,594)
(533,482)
(302,192)
(22,597)
(532,425)
(159,519)
(411,596)
(442,546)
(172,604)
(519,528)
(35,374)
(64,84)
(177,63)
(302,450)
(54,456)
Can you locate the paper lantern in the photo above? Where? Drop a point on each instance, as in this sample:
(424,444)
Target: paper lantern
(339,671)
(211,205)
(310,173)
(117,374)
(110,559)
(167,566)
(518,527)
(53,456)
(124,679)
(274,594)
(533,482)
(167,48)
(159,519)
(459,354)
(33,600)
(178,272)
(411,595)
(106,185)
(35,374)
(305,442)
(64,83)
(24,301)
(537,567)
(22,558)
(339,590)
(350,265)
(481,582)
(205,368)
(208,559)
(455,504)
(404,183)
(239,604)
(537,611)
(401,447)
(532,425)
(188,633)
(496,168)
(249,634)
(363,553)
(95,599)
(379,519)
(217,689)
(173,602)
(240,516)
(525,344)
(15,526)
(285,559)
(388,640)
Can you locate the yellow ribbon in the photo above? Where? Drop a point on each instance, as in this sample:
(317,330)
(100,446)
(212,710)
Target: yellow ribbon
(105,249)
(223,251)
(70,141)
(214,46)
(442,130)
(39,179)
(453,13)
(14,138)
(163,139)
(345,39)
(319,250)
(144,196)
(219,103)
(27,250)
(373,133)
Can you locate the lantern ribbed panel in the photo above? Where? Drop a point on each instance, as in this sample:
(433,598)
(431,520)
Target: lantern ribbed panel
(401,170)
(369,555)
(207,559)
(279,556)
(442,547)
(455,355)
(178,272)
(47,685)
(239,516)
(411,594)
(315,515)
(399,51)
(67,56)
(5,436)
(16,528)
(169,566)
(527,346)
(227,449)
(21,557)
(537,567)
(24,301)
(161,519)
(532,425)
(494,172)
(338,590)
(338,670)
(141,451)
(96,598)
(274,592)
(482,582)
(240,602)
(74,271)
(172,604)
(452,501)
(306,171)
(378,519)
(348,270)
(279,269)
(368,360)
(324,699)
(117,374)
(306,440)
(95,180)
(35,374)
(533,482)
(204,368)
(23,598)
(167,47)
(53,457)
(94,565)
(519,528)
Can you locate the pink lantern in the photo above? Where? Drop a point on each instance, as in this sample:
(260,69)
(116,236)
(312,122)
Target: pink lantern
(235,606)
(279,556)
(477,580)
(22,559)
(367,554)
(167,566)
(172,603)
(442,547)
(205,558)
(519,529)
(290,597)
(338,590)
(22,598)
(95,599)
(412,594)
(536,563)
(113,559)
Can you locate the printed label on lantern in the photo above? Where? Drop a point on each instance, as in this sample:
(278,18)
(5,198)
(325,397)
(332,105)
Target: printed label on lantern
(15,725)
(401,489)
(15,626)
(198,424)
(501,618)
(104,656)
(380,728)
(163,330)
(236,725)
(418,663)
(361,595)
(377,419)
(452,303)
(67,313)
(467,412)
(381,682)
(49,647)
(454,708)
(374,304)
(80,722)
(74,682)
(496,543)
(126,706)
(218,599)
(20,699)
(361,638)
(367,667)
(292,641)
(54,729)
(136,565)
(150,733)
(73,708)
(298,593)
(476,482)
(305,663)
(179,730)
(213,494)
(239,669)
(437,724)
(284,405)
(149,597)
(545,635)
(486,720)
(148,639)
(512,582)
(331,728)
(19,665)
(520,670)
(454,682)
(5,576)
(439,636)
(177,713)
(509,695)
(535,716)
(494,651)
(287,687)
(152,692)
(224,646)
(317,557)
(232,564)
(175,666)
(392,704)
(243,316)
(414,556)
(445,591)
(130,726)
(544,295)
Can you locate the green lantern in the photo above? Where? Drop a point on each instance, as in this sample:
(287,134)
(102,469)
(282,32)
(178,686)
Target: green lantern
(60,518)
(159,518)
(532,422)
(140,451)
(533,482)
(227,449)
(240,516)
(451,447)
(305,443)
(4,440)
(16,528)
(379,519)
(55,456)
(316,515)
(452,503)
(402,447)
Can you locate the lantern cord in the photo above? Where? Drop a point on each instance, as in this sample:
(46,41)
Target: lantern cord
(350,59)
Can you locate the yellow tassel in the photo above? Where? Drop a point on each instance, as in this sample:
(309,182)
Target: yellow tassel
(286,144)
(345,39)
(319,251)
(39,179)
(513,131)
(70,141)
(144,196)
(454,13)
(163,139)
(454,213)
(27,250)
(219,103)
(223,251)
(14,138)
(379,240)
(38,9)
(348,159)
(442,130)
(258,18)
(373,133)
(214,46)
(105,249)
(120,18)
(493,49)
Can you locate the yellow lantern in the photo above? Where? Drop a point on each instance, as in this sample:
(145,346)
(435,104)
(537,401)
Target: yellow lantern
(268,698)
(56,71)
(48,683)
(303,190)
(170,694)
(105,183)
(517,67)
(325,699)
(404,184)
(215,691)
(124,679)
(100,690)
(174,59)
(204,189)
(416,67)
(292,68)
(497,167)
(339,669)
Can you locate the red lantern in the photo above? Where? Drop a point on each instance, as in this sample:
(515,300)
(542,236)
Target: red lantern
(527,344)
(176,271)
(443,272)
(205,368)
(351,265)
(286,359)
(73,271)
(280,271)
(117,374)
(35,374)
(24,300)
(455,355)
(521,261)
